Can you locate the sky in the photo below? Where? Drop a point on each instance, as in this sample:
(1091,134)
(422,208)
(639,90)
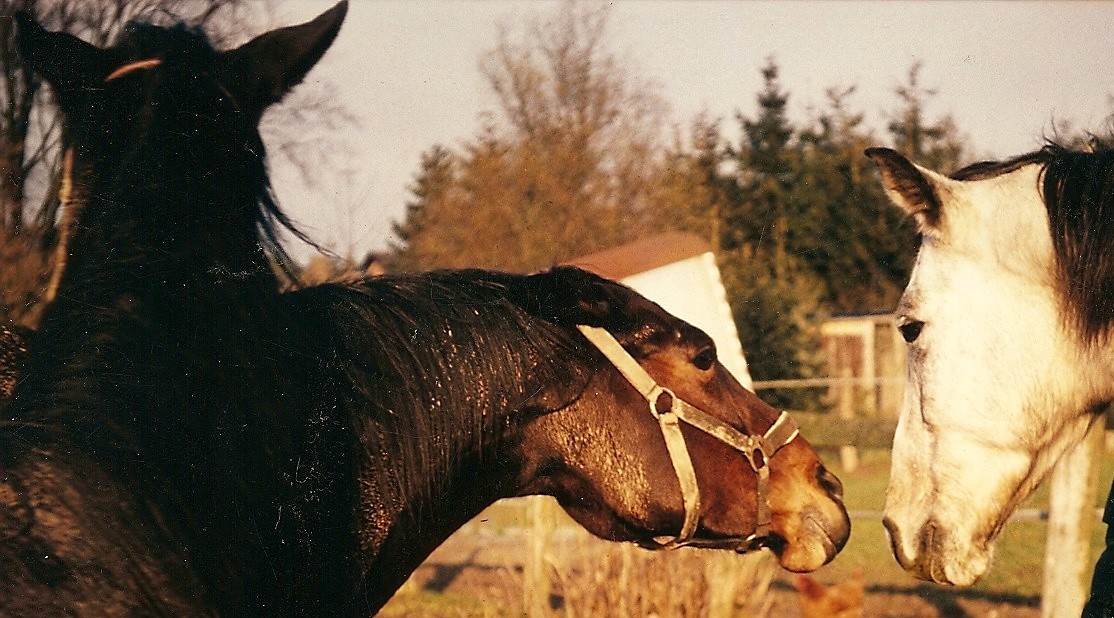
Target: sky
(408,72)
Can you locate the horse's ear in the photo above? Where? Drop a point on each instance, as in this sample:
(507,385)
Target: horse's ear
(909,186)
(65,61)
(569,295)
(261,71)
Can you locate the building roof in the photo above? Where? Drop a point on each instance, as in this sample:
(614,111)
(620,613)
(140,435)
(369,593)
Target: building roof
(643,255)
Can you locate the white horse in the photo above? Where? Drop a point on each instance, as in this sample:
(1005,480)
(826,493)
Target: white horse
(1008,316)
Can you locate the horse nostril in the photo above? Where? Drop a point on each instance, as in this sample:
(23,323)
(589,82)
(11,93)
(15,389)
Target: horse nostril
(829,483)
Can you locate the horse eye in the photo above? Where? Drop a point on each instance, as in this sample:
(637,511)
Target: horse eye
(705,359)
(910,329)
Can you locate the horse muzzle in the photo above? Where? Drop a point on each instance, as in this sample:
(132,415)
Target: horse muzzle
(816,535)
(934,554)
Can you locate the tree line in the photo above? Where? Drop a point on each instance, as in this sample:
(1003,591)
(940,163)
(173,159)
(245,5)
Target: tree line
(578,155)
(574,160)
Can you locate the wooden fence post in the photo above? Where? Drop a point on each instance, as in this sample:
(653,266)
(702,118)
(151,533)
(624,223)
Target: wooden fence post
(848,453)
(1067,560)
(535,576)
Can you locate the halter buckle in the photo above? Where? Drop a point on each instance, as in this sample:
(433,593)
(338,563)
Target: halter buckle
(669,410)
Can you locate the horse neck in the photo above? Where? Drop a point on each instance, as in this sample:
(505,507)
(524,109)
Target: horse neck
(402,522)
(452,372)
(163,358)
(162,249)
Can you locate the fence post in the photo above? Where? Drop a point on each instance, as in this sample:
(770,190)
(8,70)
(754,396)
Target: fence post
(535,576)
(845,407)
(1067,559)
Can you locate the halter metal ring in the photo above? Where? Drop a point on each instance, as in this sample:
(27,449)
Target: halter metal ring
(654,397)
(756,448)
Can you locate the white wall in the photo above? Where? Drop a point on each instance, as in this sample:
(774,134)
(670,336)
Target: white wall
(692,290)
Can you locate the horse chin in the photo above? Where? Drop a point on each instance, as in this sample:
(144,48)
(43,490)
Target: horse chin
(814,542)
(938,556)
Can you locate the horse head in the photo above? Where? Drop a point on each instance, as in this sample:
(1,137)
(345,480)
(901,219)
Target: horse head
(612,464)
(1007,367)
(163,127)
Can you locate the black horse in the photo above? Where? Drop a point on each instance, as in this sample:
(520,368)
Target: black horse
(299,454)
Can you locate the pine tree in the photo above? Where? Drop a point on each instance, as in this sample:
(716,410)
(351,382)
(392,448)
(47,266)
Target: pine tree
(937,145)
(431,186)
(772,296)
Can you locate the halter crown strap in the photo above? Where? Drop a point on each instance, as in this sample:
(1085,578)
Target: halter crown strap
(757,449)
(132,67)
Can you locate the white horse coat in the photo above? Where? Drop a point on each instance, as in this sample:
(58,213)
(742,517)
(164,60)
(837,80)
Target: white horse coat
(1009,364)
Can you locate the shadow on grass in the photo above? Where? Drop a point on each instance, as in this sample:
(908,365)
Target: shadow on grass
(945,600)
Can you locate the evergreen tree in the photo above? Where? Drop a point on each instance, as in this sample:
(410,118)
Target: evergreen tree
(937,145)
(431,186)
(694,193)
(771,294)
(759,221)
(856,244)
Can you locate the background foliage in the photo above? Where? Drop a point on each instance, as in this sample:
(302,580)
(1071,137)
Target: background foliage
(577,155)
(576,158)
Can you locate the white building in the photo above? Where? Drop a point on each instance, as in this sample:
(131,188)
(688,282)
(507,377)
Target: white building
(677,271)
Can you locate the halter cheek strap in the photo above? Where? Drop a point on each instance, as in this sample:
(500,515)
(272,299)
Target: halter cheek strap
(757,449)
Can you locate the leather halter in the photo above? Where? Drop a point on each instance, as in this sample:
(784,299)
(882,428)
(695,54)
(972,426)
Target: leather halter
(132,67)
(669,410)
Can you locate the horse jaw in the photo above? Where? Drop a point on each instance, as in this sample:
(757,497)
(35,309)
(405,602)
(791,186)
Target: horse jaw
(998,386)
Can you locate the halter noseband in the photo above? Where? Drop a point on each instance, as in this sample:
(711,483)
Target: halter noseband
(757,449)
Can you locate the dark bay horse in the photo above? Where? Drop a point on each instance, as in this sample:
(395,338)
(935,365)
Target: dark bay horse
(13,354)
(301,453)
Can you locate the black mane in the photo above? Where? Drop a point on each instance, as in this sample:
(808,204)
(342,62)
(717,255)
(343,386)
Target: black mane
(438,361)
(1078,192)
(1078,189)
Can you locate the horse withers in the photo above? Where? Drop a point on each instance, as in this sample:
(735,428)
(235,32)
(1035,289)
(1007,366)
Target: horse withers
(301,452)
(1007,316)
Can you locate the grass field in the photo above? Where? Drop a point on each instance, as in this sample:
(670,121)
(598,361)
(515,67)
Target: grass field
(1014,579)
(1016,570)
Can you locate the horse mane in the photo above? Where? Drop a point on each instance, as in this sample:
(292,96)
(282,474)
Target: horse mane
(447,357)
(1078,192)
(983,170)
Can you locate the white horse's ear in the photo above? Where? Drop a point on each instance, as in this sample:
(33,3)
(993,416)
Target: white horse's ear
(909,186)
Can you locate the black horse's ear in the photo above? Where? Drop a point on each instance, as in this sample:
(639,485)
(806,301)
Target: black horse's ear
(569,295)
(261,71)
(65,61)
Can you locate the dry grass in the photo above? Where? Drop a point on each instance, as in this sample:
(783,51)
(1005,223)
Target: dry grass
(628,582)
(594,578)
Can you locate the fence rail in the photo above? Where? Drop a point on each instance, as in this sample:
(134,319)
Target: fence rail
(825,382)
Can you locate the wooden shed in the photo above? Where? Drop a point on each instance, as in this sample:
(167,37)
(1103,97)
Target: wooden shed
(866,359)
